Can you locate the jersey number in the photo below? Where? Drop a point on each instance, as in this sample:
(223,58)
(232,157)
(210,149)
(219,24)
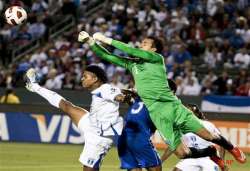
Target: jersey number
(137,110)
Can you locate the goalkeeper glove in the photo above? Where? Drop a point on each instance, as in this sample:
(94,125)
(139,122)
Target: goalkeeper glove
(83,37)
(102,38)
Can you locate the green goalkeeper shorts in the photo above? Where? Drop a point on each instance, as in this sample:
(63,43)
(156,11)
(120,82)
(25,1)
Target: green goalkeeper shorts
(172,120)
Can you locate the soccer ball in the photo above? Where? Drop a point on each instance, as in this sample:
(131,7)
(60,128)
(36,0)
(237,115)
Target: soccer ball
(15,15)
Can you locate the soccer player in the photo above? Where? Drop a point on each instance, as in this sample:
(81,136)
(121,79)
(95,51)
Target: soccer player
(165,109)
(99,125)
(194,141)
(135,148)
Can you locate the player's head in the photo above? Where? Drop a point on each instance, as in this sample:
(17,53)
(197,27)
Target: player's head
(130,96)
(172,85)
(93,76)
(152,44)
(195,109)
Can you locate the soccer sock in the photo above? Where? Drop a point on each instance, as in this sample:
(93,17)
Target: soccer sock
(197,153)
(223,142)
(219,161)
(52,97)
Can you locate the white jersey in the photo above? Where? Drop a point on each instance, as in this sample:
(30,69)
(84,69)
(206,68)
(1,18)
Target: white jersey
(104,110)
(193,140)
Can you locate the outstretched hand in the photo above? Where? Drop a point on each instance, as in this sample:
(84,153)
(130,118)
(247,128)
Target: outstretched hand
(83,37)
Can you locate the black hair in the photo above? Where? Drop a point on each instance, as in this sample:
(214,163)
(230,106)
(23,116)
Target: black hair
(99,72)
(195,109)
(157,44)
(172,85)
(7,93)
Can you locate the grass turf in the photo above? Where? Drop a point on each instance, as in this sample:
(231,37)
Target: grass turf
(49,157)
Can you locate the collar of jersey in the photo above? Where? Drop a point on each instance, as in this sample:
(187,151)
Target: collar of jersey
(97,90)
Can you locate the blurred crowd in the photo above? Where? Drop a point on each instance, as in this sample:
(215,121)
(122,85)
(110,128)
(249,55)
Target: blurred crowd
(208,35)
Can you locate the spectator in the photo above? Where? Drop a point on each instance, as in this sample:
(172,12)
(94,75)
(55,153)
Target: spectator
(244,89)
(116,82)
(213,6)
(230,90)
(23,37)
(207,87)
(221,84)
(179,85)
(241,78)
(54,81)
(242,59)
(192,88)
(37,29)
(212,59)
(10,97)
(39,6)
(182,55)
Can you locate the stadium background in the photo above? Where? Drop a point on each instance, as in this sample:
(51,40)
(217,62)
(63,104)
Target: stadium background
(206,49)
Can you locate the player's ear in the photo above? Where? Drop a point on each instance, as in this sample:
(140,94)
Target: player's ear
(95,78)
(153,49)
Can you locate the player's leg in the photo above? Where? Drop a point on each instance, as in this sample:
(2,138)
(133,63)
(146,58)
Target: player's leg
(163,119)
(157,168)
(126,157)
(74,112)
(95,149)
(135,169)
(86,168)
(193,124)
(182,121)
(143,151)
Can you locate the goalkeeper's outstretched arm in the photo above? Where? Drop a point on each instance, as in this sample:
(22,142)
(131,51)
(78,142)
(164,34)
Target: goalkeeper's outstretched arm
(106,55)
(135,52)
(102,52)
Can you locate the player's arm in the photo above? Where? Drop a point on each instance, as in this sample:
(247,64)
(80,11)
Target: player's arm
(56,100)
(136,52)
(107,56)
(102,52)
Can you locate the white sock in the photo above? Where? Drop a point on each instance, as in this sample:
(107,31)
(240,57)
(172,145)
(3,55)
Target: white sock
(52,97)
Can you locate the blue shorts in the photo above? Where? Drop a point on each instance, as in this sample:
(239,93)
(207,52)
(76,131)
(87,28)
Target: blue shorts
(136,151)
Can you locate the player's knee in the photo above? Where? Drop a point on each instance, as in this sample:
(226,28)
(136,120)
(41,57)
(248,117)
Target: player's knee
(182,151)
(181,154)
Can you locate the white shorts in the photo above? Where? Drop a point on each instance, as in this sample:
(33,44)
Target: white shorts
(95,147)
(199,164)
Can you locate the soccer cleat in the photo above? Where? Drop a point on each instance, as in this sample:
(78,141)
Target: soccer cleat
(31,79)
(238,155)
(31,76)
(219,162)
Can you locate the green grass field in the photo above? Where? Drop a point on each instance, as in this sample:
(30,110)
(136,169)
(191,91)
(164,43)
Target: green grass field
(47,157)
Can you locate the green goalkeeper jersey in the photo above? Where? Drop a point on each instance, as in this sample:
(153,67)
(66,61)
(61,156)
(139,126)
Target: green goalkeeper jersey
(148,69)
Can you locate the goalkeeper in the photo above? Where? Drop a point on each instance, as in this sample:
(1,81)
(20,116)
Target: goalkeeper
(169,115)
